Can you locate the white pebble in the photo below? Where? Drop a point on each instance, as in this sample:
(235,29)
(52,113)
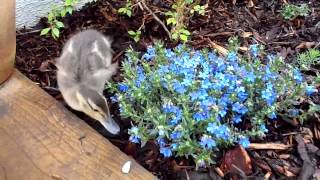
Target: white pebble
(126,167)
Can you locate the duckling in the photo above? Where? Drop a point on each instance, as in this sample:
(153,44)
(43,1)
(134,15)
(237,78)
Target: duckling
(82,71)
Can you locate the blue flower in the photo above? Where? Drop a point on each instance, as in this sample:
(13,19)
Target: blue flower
(161,142)
(207,142)
(121,109)
(212,57)
(207,103)
(114,99)
(151,52)
(239,108)
(123,87)
(269,95)
(169,53)
(203,75)
(199,95)
(250,77)
(176,135)
(200,116)
(297,76)
(244,142)
(232,56)
(242,95)
(263,128)
(268,74)
(166,152)
(134,131)
(174,146)
(161,132)
(141,77)
(179,88)
(221,131)
(293,112)
(254,49)
(206,84)
(310,90)
(236,119)
(272,115)
(134,139)
(271,58)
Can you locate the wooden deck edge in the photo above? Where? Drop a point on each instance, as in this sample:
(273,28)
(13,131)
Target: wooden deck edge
(41,139)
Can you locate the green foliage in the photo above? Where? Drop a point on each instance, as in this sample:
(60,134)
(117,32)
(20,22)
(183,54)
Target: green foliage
(181,34)
(291,11)
(181,11)
(135,35)
(306,59)
(194,102)
(199,9)
(53,18)
(127,9)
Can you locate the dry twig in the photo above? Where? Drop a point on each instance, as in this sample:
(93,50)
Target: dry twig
(155,17)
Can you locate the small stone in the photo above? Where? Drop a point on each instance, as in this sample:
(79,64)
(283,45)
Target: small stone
(126,167)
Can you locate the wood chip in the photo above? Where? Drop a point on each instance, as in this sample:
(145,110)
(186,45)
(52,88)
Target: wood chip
(274,146)
(126,167)
(219,48)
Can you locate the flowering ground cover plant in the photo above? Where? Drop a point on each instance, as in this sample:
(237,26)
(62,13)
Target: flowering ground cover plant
(193,102)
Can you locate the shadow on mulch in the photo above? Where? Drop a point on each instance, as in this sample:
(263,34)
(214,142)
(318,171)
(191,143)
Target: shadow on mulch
(263,23)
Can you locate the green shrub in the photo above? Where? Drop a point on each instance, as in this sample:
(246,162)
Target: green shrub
(291,11)
(53,18)
(181,11)
(195,102)
(306,59)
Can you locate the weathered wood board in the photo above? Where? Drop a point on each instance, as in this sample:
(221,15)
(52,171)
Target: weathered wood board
(41,139)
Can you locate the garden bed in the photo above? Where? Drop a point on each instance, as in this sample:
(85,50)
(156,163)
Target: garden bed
(263,24)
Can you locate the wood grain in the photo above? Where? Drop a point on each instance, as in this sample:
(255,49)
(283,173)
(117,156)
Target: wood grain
(41,139)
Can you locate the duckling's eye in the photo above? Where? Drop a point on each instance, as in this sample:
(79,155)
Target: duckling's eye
(95,110)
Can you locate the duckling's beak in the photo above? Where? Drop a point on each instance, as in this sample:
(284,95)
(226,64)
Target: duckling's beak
(111,126)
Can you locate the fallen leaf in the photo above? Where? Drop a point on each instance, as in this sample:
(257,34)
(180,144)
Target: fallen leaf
(305,45)
(246,34)
(236,158)
(131,149)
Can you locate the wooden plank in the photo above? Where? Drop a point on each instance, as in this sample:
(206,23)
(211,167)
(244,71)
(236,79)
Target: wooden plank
(41,139)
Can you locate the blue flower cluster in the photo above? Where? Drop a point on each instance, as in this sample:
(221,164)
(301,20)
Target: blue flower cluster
(193,102)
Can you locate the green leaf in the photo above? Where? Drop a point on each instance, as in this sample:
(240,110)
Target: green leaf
(63,12)
(44,31)
(169,13)
(69,9)
(175,36)
(132,33)
(197,7)
(50,16)
(59,24)
(122,10)
(136,38)
(129,13)
(171,21)
(186,32)
(55,32)
(183,37)
(189,1)
(68,2)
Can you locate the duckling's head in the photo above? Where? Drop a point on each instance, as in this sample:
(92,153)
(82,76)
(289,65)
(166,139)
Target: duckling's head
(95,105)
